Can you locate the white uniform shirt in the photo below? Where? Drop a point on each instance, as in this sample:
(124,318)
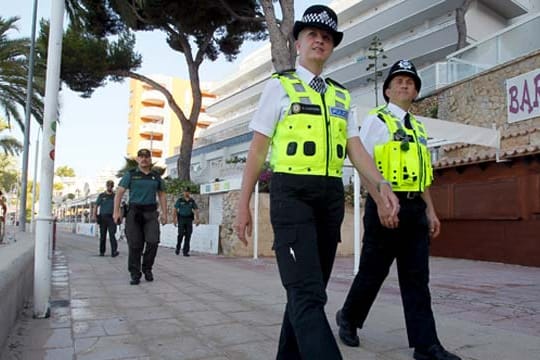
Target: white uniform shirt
(274,104)
(375,132)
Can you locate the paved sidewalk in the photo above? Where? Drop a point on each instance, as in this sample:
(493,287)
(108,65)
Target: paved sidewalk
(216,308)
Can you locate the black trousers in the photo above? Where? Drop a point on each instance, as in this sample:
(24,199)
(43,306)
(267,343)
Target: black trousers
(185,229)
(107,224)
(142,230)
(409,245)
(306,214)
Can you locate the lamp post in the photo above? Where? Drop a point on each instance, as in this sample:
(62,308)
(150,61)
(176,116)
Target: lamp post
(44,220)
(28,107)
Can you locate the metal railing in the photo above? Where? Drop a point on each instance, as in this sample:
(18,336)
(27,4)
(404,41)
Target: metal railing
(512,42)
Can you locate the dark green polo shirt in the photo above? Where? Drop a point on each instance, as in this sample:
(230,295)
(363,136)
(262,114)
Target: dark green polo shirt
(184,208)
(143,188)
(105,202)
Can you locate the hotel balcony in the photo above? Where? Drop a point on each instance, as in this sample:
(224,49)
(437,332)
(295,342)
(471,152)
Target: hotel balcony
(152,113)
(150,129)
(238,100)
(153,97)
(155,146)
(423,49)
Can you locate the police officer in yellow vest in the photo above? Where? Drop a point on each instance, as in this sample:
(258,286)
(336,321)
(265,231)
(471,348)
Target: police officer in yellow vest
(398,144)
(305,120)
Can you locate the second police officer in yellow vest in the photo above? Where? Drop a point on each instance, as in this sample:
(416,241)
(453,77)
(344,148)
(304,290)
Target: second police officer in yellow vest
(398,143)
(305,120)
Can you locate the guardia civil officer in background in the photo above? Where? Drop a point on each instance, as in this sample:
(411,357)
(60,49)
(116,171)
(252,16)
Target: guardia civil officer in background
(186,211)
(305,119)
(142,225)
(398,144)
(103,213)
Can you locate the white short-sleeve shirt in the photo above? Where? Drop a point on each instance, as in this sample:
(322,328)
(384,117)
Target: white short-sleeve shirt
(274,104)
(375,132)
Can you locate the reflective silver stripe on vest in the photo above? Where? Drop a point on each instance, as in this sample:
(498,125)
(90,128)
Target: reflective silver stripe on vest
(298,87)
(340,94)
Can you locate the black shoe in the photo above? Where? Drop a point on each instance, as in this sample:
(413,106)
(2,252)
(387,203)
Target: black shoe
(347,332)
(135,281)
(434,352)
(115,254)
(148,276)
(101,254)
(186,254)
(177,251)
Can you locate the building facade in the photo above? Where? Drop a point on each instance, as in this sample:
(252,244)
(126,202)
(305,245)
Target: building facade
(424,32)
(151,122)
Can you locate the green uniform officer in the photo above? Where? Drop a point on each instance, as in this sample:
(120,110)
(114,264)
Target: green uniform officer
(186,211)
(105,205)
(142,225)
(305,119)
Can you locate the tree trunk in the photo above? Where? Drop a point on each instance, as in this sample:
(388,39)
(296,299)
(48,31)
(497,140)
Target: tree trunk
(461,24)
(281,40)
(183,163)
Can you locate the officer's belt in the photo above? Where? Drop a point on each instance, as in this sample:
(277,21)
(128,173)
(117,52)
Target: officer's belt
(408,195)
(143,208)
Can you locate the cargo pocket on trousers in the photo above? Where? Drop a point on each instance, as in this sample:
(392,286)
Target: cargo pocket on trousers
(297,254)
(285,248)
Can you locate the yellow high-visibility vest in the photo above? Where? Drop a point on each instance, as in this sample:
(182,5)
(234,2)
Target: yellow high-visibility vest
(404,160)
(311,139)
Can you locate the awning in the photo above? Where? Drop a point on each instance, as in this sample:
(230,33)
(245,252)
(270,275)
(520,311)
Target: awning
(443,132)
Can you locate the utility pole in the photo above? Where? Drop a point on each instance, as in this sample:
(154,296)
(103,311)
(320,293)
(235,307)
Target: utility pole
(28,107)
(44,220)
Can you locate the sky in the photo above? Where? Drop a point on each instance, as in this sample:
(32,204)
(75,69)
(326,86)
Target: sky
(92,133)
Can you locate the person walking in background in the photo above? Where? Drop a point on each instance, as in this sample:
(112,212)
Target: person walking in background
(103,213)
(142,225)
(305,119)
(186,211)
(3,215)
(398,144)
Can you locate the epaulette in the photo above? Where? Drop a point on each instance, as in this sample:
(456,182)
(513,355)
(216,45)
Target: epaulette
(335,83)
(283,72)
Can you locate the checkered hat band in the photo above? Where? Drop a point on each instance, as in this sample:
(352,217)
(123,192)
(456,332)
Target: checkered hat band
(321,18)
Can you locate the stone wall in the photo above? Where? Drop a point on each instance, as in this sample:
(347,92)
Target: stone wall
(231,246)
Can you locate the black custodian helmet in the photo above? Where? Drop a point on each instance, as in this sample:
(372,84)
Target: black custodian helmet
(402,67)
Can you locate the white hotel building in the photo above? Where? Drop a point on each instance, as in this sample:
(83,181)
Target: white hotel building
(423,31)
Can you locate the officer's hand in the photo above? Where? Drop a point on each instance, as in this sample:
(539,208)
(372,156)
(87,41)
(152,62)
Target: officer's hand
(116,217)
(163,218)
(197,222)
(388,210)
(243,224)
(434,225)
(389,199)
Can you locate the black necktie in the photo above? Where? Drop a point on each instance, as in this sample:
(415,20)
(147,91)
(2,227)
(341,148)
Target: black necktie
(317,83)
(407,120)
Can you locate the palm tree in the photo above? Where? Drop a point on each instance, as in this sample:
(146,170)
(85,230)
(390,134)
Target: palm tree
(13,76)
(9,144)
